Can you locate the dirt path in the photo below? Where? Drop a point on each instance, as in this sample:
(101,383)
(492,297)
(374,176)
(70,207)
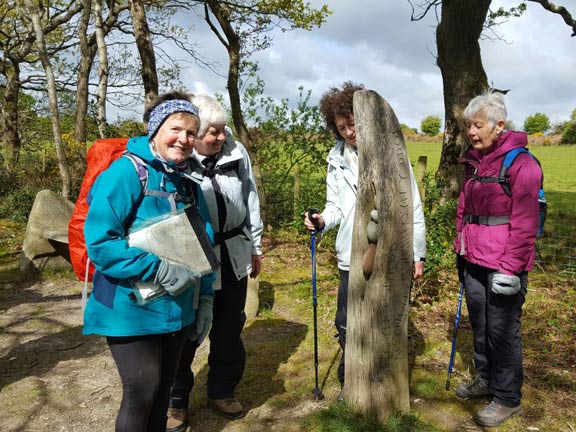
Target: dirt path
(55,379)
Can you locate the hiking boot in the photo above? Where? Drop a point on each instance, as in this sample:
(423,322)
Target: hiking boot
(229,408)
(478,388)
(177,420)
(495,414)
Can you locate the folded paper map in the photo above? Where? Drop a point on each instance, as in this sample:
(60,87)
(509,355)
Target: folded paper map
(179,238)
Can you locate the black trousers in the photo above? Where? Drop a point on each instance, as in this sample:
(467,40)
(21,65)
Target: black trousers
(341,316)
(227,358)
(496,322)
(147,365)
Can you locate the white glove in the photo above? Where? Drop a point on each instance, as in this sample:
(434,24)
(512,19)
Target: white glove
(505,284)
(174,278)
(204,318)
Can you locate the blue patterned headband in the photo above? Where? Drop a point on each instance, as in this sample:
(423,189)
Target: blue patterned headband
(164,110)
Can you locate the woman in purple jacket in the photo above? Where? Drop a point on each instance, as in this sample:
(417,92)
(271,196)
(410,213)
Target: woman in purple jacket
(495,249)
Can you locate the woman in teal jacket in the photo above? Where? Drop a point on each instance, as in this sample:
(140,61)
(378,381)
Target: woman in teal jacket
(146,338)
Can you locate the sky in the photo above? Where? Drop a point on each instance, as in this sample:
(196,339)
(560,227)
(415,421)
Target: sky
(373,42)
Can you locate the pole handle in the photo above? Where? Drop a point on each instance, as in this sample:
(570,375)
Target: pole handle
(311,212)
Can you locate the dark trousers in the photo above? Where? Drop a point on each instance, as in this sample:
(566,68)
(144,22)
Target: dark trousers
(340,321)
(147,365)
(496,322)
(227,357)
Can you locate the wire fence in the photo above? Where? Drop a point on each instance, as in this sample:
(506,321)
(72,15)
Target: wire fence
(556,249)
(288,197)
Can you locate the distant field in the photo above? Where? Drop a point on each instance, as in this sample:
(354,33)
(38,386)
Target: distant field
(558,163)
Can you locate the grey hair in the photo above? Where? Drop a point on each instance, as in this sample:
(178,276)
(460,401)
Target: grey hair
(490,103)
(211,113)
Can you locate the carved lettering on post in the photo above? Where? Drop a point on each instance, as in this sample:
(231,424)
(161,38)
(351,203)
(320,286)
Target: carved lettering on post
(377,328)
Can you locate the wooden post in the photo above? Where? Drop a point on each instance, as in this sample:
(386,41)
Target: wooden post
(421,172)
(377,328)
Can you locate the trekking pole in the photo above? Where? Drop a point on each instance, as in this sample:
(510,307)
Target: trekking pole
(310,212)
(456,325)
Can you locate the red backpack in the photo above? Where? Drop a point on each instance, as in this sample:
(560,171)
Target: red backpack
(100,155)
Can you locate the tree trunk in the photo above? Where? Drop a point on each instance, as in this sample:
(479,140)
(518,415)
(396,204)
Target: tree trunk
(52,95)
(102,69)
(146,50)
(377,328)
(463,78)
(11,136)
(232,44)
(86,57)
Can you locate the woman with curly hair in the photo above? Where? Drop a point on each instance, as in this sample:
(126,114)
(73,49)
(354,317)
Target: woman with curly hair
(336,107)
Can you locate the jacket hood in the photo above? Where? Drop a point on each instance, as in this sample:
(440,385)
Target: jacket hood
(507,141)
(336,154)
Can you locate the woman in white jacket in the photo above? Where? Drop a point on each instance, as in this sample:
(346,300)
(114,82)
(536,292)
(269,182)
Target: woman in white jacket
(223,168)
(336,107)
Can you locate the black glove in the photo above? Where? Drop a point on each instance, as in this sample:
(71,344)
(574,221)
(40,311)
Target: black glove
(311,212)
(460,264)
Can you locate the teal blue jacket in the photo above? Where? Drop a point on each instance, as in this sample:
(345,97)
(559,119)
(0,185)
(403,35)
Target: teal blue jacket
(117,204)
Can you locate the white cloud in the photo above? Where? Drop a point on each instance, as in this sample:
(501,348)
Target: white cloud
(375,43)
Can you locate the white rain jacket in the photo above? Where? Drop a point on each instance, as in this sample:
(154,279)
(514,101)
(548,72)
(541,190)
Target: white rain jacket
(341,189)
(235,179)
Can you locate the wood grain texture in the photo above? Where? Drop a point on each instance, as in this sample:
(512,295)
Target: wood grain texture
(377,328)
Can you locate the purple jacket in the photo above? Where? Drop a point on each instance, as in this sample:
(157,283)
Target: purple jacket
(508,248)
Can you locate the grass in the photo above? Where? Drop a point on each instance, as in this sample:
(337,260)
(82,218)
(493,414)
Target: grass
(558,163)
(279,343)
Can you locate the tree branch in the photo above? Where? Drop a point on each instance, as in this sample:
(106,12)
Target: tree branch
(560,10)
(424,9)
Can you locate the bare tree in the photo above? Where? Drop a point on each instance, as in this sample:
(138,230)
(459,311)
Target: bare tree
(460,62)
(86,58)
(36,24)
(102,68)
(146,50)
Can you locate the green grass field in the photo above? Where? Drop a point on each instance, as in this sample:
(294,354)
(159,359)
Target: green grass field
(558,163)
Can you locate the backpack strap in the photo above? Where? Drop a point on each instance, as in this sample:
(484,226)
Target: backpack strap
(504,180)
(503,177)
(173,197)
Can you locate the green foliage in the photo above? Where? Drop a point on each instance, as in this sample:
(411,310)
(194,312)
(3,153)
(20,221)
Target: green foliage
(573,115)
(431,125)
(440,216)
(569,133)
(407,130)
(341,418)
(558,128)
(536,123)
(502,15)
(126,129)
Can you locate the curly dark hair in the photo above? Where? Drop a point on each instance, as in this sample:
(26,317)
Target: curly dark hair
(338,102)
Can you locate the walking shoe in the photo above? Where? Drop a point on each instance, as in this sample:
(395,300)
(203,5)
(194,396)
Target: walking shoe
(478,388)
(227,407)
(495,414)
(177,420)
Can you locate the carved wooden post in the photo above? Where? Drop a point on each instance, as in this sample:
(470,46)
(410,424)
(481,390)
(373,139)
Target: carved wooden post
(377,328)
